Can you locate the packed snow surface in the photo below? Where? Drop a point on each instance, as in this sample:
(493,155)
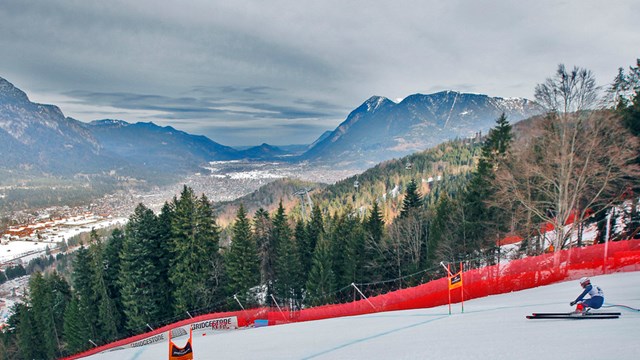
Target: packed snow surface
(494,328)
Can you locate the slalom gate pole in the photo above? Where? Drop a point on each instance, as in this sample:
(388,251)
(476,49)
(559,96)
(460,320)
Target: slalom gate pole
(604,261)
(449,287)
(462,286)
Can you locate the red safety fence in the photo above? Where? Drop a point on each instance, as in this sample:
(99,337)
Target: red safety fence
(243,318)
(621,256)
(497,279)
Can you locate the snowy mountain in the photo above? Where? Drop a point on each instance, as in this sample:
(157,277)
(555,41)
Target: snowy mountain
(39,138)
(381,129)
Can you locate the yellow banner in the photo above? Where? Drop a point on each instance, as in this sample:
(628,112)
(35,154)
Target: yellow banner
(455,281)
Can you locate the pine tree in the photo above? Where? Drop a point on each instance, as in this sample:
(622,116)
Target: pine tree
(481,222)
(107,324)
(194,272)
(412,199)
(264,238)
(347,247)
(209,238)
(321,283)
(30,342)
(42,303)
(301,239)
(138,270)
(82,277)
(313,232)
(288,269)
(163,253)
(61,296)
(628,107)
(184,281)
(374,266)
(75,328)
(111,272)
(242,262)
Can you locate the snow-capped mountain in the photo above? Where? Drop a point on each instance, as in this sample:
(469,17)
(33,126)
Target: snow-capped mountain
(381,129)
(39,138)
(36,137)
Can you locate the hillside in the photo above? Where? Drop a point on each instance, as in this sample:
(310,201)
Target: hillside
(441,168)
(163,149)
(444,167)
(267,198)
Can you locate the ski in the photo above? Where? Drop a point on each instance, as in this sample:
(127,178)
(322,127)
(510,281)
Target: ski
(569,313)
(574,316)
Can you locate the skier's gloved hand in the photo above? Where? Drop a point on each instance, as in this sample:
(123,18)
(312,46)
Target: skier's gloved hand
(572,303)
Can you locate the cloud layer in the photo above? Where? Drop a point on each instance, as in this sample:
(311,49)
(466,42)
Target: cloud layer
(282,72)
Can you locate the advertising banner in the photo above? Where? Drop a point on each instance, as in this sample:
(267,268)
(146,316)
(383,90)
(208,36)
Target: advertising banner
(181,346)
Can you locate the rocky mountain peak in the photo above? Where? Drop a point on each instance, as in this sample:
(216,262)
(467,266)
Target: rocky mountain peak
(10,93)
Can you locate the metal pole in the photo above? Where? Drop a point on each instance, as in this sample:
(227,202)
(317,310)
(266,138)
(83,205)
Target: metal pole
(361,294)
(446,268)
(243,310)
(238,301)
(149,326)
(278,306)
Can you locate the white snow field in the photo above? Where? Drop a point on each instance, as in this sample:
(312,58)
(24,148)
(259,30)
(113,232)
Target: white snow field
(493,328)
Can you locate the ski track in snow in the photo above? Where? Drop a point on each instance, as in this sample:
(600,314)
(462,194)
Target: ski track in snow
(492,327)
(455,98)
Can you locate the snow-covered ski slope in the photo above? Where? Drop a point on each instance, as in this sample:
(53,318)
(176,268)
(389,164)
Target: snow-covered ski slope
(493,327)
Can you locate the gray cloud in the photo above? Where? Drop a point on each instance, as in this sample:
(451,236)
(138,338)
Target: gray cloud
(206,107)
(209,67)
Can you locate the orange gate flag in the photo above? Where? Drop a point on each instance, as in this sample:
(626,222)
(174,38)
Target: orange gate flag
(455,281)
(180,353)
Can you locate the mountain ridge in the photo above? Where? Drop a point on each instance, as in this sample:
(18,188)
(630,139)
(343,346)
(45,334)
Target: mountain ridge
(380,129)
(40,138)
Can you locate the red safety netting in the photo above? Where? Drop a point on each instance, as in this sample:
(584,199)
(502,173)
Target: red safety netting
(515,275)
(497,279)
(245,318)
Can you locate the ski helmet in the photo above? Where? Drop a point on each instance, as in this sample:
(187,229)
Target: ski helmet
(584,281)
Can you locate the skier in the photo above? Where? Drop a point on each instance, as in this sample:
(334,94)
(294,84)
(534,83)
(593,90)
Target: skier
(596,297)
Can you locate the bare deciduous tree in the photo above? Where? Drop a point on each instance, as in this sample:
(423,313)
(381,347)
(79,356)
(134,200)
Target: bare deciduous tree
(575,159)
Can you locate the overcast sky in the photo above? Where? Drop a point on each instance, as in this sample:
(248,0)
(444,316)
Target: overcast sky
(282,72)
